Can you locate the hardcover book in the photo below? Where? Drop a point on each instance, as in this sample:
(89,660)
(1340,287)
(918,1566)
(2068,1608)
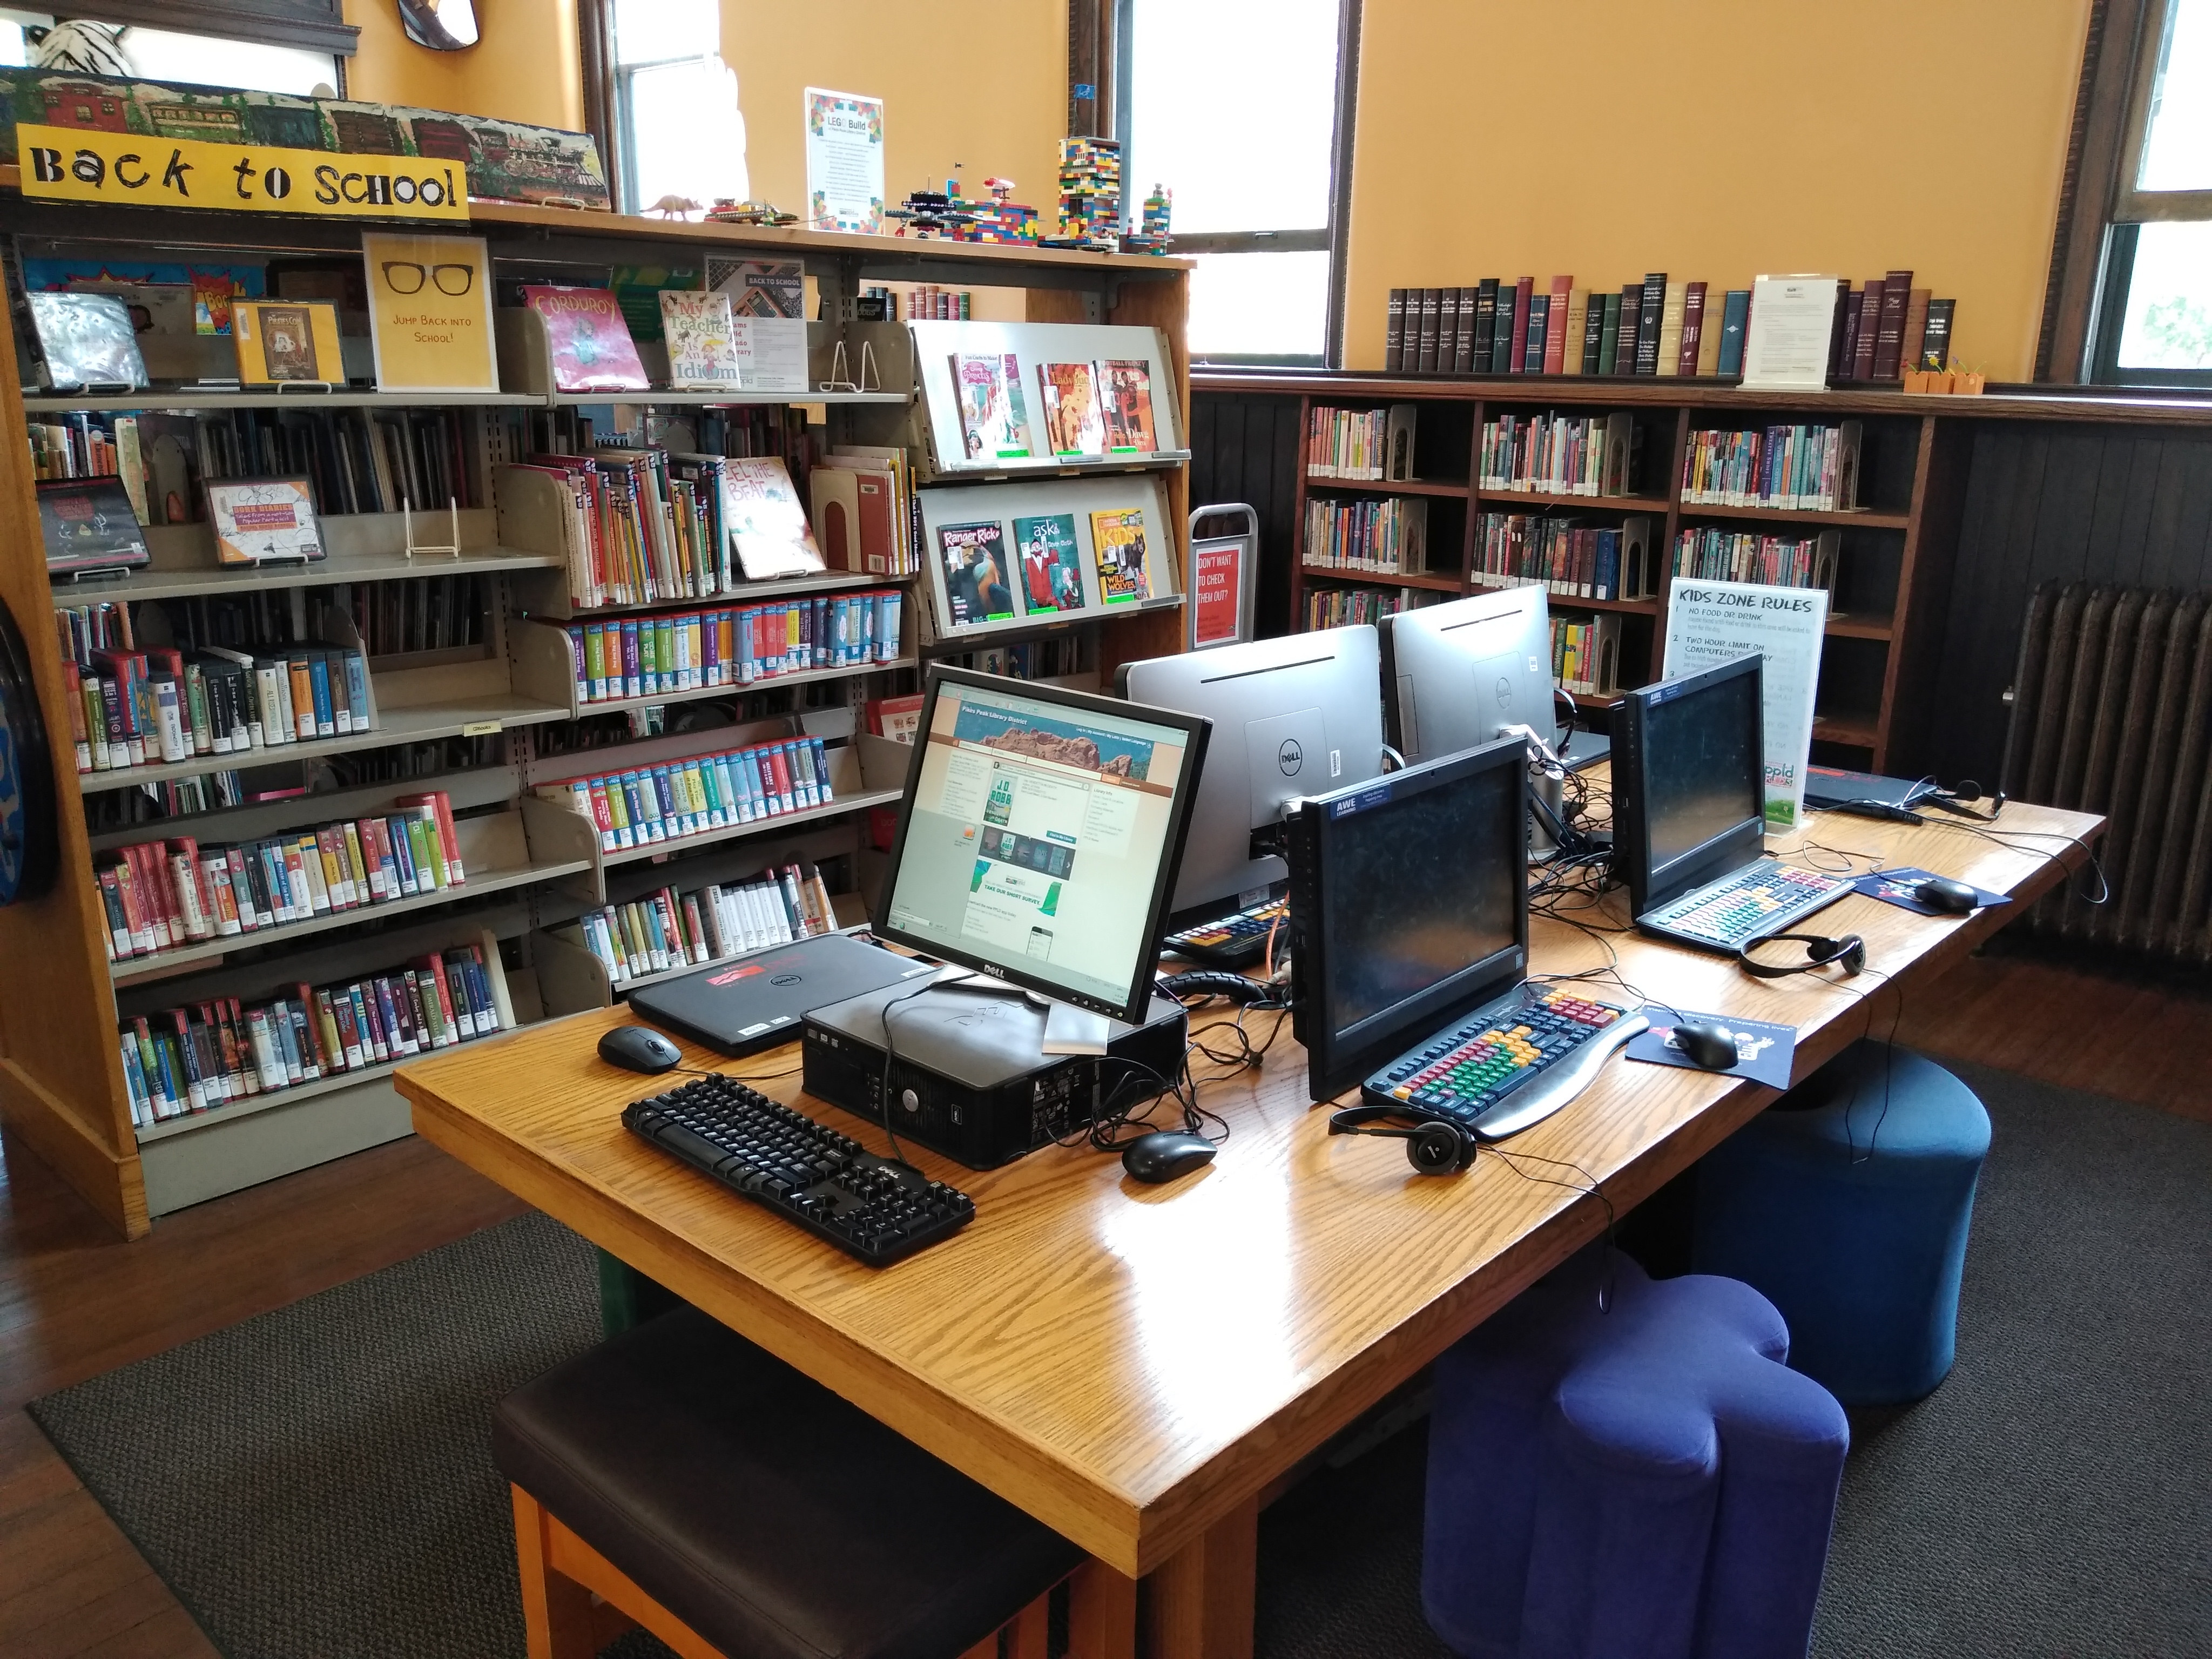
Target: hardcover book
(262,521)
(590,343)
(703,353)
(294,341)
(1073,425)
(1125,400)
(86,524)
(975,561)
(767,526)
(1051,567)
(1117,545)
(993,424)
(86,340)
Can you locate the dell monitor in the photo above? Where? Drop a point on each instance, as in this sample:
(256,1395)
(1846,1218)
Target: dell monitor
(1039,836)
(1294,716)
(1689,791)
(1455,676)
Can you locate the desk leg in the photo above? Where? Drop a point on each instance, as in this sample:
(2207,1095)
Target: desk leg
(1201,1602)
(1102,1614)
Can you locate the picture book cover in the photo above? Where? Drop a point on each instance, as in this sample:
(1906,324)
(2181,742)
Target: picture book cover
(702,354)
(993,419)
(294,341)
(1051,567)
(88,340)
(86,524)
(768,530)
(1117,542)
(429,313)
(976,587)
(590,343)
(259,520)
(1072,426)
(1125,397)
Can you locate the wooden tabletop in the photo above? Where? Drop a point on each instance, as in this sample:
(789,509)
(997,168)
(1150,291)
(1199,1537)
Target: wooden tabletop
(1134,1364)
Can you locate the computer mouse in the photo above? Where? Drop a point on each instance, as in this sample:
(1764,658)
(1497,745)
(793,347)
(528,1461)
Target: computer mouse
(1164,1155)
(1706,1044)
(638,1048)
(1952,898)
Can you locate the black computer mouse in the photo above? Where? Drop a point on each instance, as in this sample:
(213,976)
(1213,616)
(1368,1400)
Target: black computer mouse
(638,1048)
(1705,1044)
(1952,898)
(1164,1155)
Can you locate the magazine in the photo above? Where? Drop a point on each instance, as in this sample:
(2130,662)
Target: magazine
(1072,426)
(702,354)
(1051,567)
(590,344)
(994,421)
(1117,542)
(88,340)
(768,525)
(1125,397)
(976,589)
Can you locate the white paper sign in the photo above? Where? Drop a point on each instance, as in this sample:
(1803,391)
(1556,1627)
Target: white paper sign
(1708,624)
(844,162)
(1793,321)
(771,353)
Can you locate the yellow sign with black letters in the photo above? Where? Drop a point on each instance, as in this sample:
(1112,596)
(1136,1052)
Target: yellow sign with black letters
(75,164)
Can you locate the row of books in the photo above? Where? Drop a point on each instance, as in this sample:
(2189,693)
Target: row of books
(670,928)
(921,302)
(1793,467)
(648,806)
(1725,556)
(1389,536)
(196,1057)
(1090,409)
(1566,556)
(419,613)
(1360,444)
(643,656)
(1586,654)
(1348,607)
(1655,327)
(1885,326)
(161,895)
(158,707)
(109,810)
(1030,660)
(1557,455)
(74,449)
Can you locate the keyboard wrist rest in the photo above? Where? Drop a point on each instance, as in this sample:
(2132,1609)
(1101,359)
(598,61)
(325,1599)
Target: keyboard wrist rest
(1560,1083)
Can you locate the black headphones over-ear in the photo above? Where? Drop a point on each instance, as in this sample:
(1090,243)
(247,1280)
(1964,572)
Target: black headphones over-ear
(1434,1148)
(1847,952)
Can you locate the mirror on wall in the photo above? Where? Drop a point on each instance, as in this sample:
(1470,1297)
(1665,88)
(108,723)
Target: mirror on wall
(441,25)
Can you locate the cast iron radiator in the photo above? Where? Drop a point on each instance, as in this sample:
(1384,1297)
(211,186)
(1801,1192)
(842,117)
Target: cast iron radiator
(2111,713)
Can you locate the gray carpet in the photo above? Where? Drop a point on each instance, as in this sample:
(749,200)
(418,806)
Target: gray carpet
(316,1481)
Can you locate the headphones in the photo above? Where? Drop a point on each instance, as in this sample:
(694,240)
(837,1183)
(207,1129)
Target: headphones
(1435,1148)
(1954,801)
(1847,952)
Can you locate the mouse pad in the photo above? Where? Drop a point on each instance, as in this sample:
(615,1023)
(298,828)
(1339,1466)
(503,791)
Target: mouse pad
(1895,887)
(1763,1052)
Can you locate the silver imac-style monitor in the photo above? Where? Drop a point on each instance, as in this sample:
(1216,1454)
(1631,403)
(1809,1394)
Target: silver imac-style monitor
(1295,716)
(1456,675)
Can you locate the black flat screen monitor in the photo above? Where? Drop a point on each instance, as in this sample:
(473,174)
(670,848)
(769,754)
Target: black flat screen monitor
(1039,836)
(1689,793)
(1409,906)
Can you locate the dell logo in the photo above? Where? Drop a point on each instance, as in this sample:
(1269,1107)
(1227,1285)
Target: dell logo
(1290,758)
(785,979)
(1505,692)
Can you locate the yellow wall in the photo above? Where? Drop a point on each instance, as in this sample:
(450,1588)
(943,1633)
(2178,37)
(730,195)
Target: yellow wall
(1715,140)
(525,68)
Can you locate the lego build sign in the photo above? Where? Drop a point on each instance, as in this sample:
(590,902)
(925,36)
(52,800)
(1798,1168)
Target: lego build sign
(71,164)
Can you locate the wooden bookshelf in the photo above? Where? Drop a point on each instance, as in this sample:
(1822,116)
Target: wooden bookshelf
(537,865)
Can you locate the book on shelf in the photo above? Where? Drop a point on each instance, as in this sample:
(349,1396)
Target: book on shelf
(1672,309)
(766,521)
(1650,322)
(1515,344)
(1023,659)
(1916,329)
(1050,563)
(702,352)
(263,521)
(1389,537)
(898,719)
(88,523)
(1735,314)
(861,514)
(1889,335)
(1539,322)
(1068,395)
(672,929)
(86,342)
(1586,654)
(619,660)
(586,338)
(994,418)
(1555,323)
(1125,403)
(1118,550)
(975,568)
(1358,444)
(1689,341)
(282,342)
(1936,340)
(1560,454)
(1349,607)
(1812,468)
(1565,555)
(1394,334)
(668,801)
(1725,556)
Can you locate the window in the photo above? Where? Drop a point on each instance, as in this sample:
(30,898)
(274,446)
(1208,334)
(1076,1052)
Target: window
(1242,108)
(200,59)
(675,104)
(2155,316)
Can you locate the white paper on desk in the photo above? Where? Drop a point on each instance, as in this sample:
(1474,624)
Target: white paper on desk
(1708,624)
(1785,344)
(771,353)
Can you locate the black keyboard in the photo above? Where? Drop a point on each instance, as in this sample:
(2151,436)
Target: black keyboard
(1232,941)
(806,1172)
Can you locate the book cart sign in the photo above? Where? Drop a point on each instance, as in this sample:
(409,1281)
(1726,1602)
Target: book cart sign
(127,168)
(1708,624)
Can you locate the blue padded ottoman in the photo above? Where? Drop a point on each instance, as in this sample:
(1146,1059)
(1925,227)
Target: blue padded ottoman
(1652,1482)
(1857,1235)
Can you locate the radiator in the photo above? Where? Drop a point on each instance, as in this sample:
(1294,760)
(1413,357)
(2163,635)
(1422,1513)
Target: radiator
(2111,713)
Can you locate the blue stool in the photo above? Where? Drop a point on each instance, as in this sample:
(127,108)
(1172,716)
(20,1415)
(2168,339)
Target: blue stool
(1651,1481)
(1852,1220)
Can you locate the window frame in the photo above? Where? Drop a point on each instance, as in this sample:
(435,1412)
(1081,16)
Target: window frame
(621,76)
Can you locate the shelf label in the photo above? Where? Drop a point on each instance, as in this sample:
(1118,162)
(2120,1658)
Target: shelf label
(480,729)
(81,164)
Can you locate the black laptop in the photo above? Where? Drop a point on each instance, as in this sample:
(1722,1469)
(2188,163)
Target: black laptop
(752,1002)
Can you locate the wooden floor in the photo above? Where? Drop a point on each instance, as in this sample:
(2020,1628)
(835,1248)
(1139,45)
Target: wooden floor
(74,1303)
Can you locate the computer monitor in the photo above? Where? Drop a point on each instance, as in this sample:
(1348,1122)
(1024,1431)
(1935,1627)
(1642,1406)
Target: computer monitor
(1292,716)
(1409,907)
(1039,835)
(1454,675)
(1689,792)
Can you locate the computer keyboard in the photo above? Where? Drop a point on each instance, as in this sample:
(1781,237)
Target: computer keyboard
(1232,941)
(806,1172)
(1757,900)
(1502,1071)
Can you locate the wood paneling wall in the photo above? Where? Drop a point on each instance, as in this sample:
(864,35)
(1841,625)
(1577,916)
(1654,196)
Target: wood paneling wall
(1246,448)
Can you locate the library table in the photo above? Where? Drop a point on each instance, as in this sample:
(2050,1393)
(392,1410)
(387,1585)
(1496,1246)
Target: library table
(1138,1366)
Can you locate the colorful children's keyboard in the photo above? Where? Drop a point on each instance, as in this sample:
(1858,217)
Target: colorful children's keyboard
(1757,900)
(1232,941)
(1478,1075)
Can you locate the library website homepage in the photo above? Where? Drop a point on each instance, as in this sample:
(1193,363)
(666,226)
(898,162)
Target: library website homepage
(1035,838)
